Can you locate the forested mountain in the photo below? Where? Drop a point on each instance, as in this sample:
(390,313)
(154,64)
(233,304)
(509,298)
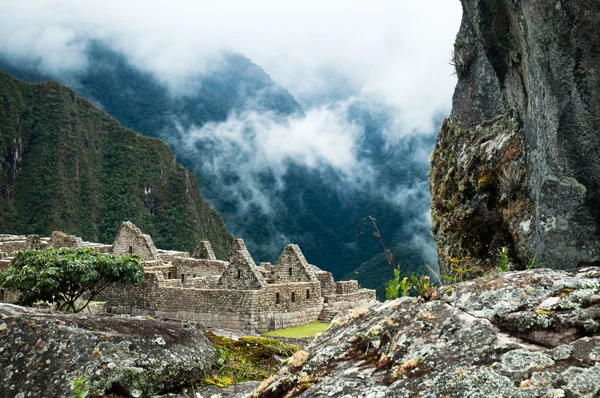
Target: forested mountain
(217,126)
(66,165)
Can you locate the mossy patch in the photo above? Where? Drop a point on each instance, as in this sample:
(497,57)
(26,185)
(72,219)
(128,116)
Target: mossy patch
(477,209)
(248,358)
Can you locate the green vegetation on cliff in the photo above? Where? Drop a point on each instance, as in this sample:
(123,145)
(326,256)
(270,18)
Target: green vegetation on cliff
(66,165)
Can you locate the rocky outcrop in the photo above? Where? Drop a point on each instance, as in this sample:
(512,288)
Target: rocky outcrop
(515,165)
(517,334)
(43,352)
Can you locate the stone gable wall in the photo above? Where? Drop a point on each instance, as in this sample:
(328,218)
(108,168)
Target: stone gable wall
(130,239)
(241,278)
(204,251)
(292,267)
(242,272)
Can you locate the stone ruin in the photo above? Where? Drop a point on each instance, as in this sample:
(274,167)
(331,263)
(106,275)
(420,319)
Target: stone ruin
(234,293)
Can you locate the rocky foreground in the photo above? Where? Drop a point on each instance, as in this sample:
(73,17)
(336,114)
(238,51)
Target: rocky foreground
(41,353)
(531,333)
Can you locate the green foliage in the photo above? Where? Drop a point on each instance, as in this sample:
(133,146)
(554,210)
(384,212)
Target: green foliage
(397,287)
(65,275)
(461,269)
(531,264)
(244,359)
(503,262)
(421,285)
(402,287)
(81,388)
(70,167)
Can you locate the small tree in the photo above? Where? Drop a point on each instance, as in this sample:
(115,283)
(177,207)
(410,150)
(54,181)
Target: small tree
(64,275)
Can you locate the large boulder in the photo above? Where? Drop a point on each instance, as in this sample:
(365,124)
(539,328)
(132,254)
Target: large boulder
(519,334)
(41,353)
(516,164)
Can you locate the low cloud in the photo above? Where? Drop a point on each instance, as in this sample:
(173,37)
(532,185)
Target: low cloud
(397,51)
(374,68)
(249,146)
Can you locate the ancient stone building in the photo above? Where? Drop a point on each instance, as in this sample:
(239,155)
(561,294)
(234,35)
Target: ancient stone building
(234,293)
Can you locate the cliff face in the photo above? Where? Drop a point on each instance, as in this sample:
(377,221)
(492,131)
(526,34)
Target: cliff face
(66,165)
(516,164)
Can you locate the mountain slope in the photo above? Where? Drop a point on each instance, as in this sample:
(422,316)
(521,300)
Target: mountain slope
(217,126)
(66,165)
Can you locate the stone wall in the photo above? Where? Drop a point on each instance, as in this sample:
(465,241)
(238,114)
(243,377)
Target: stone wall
(358,296)
(341,303)
(171,255)
(10,243)
(242,272)
(199,267)
(169,271)
(278,306)
(4,263)
(60,239)
(130,239)
(328,285)
(134,299)
(204,251)
(288,305)
(346,287)
(9,297)
(291,266)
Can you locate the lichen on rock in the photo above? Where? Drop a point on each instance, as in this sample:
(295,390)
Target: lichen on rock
(478,340)
(42,353)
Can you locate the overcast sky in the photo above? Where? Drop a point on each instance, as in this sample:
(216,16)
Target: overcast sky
(394,49)
(391,55)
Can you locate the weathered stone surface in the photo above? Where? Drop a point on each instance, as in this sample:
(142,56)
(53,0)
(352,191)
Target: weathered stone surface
(204,251)
(515,165)
(130,239)
(518,334)
(41,352)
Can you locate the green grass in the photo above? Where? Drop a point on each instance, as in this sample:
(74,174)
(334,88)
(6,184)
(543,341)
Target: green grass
(299,332)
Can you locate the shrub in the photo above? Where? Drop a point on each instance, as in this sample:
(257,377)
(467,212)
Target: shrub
(64,275)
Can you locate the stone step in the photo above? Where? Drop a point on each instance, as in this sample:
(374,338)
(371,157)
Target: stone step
(327,315)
